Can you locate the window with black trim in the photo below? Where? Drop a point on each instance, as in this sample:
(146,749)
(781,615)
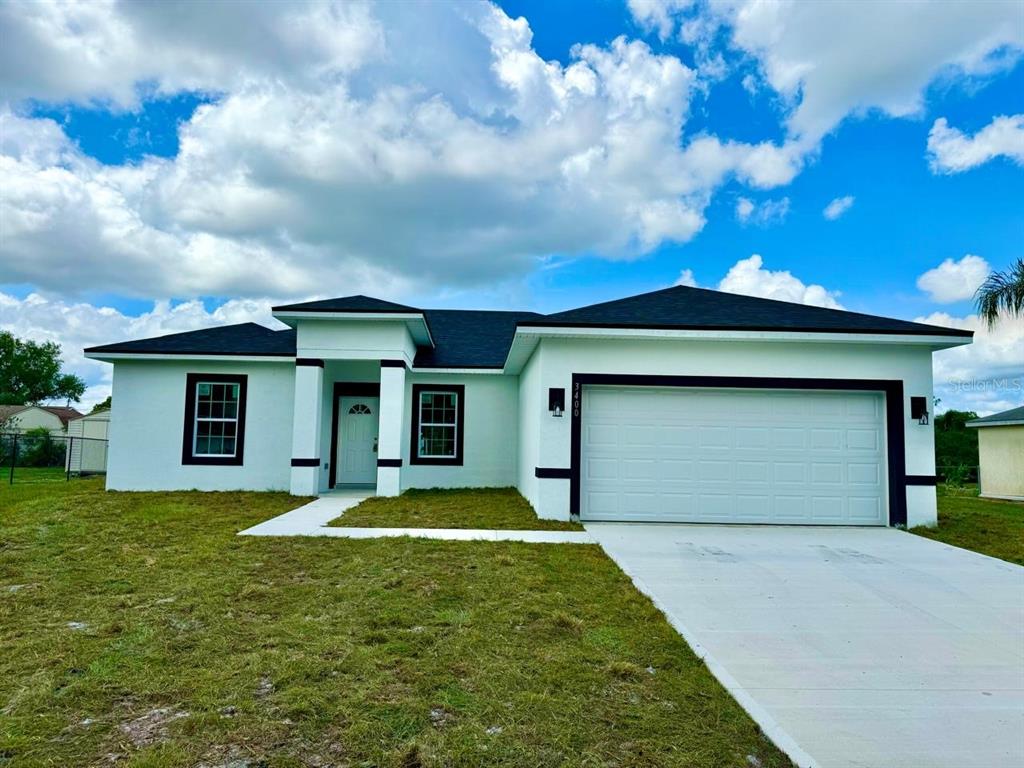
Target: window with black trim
(437,424)
(214,431)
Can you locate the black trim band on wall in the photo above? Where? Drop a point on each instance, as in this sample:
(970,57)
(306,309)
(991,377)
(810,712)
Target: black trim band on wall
(305,462)
(392,363)
(552,473)
(922,480)
(345,389)
(892,389)
(188,431)
(314,362)
(389,462)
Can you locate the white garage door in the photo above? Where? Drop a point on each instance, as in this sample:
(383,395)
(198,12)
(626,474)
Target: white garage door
(733,456)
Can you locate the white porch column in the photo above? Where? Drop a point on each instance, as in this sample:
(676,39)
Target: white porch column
(306,459)
(392,416)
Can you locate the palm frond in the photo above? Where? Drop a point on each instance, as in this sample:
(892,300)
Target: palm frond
(1002,293)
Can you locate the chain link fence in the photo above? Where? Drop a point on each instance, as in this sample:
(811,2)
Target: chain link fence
(42,456)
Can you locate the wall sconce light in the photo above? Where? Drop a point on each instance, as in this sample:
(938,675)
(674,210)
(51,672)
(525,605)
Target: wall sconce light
(556,402)
(919,409)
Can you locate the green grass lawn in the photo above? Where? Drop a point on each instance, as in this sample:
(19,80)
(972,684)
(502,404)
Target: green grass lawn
(989,526)
(33,475)
(491,508)
(139,630)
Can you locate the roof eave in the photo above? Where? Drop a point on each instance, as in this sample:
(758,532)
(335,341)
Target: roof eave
(421,334)
(240,357)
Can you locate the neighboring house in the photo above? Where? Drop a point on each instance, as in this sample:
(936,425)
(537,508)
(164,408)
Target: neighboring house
(86,449)
(679,405)
(1001,454)
(22,418)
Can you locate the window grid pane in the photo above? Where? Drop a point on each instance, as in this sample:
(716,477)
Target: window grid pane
(438,424)
(216,420)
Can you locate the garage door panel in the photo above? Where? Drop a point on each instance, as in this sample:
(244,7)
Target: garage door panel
(752,471)
(863,439)
(864,474)
(830,473)
(757,456)
(827,509)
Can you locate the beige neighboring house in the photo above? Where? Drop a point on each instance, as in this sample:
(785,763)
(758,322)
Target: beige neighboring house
(22,418)
(1001,454)
(86,450)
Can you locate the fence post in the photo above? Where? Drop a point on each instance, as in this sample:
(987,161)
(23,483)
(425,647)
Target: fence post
(14,457)
(69,452)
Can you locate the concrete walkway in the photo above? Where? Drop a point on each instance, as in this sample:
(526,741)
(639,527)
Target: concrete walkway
(851,647)
(311,520)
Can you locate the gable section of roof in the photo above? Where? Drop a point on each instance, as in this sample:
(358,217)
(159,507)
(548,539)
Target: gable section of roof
(683,307)
(245,339)
(357,303)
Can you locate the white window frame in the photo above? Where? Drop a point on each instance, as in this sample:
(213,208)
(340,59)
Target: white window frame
(454,425)
(196,418)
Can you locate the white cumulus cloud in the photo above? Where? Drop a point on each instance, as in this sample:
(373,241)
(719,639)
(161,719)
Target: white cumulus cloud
(76,325)
(838,207)
(986,376)
(382,167)
(952,151)
(750,278)
(832,59)
(954,280)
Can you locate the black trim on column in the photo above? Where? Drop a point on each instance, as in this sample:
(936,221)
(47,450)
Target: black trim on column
(893,390)
(922,480)
(314,362)
(389,462)
(346,388)
(460,424)
(188,432)
(305,462)
(392,363)
(552,473)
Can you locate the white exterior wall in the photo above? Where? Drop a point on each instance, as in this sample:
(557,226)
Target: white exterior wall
(529,429)
(558,359)
(146,435)
(355,340)
(489,438)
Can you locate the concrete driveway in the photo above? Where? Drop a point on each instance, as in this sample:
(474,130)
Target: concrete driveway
(850,646)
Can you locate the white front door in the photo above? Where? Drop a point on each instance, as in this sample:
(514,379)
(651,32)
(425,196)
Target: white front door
(357,439)
(733,456)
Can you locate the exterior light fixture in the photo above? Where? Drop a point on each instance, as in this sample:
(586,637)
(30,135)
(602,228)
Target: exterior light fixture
(556,402)
(919,409)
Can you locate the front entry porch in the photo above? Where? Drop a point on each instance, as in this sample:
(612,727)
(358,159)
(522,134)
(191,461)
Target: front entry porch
(347,426)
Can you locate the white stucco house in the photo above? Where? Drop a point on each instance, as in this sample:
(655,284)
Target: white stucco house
(678,405)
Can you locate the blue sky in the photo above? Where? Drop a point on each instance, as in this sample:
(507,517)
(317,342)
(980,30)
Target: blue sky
(182,178)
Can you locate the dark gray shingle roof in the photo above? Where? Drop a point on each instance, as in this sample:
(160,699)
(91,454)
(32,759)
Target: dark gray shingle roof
(481,338)
(346,304)
(1013,415)
(241,339)
(682,307)
(467,338)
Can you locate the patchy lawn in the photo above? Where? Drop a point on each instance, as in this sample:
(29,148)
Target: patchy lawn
(989,526)
(498,508)
(33,475)
(139,630)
